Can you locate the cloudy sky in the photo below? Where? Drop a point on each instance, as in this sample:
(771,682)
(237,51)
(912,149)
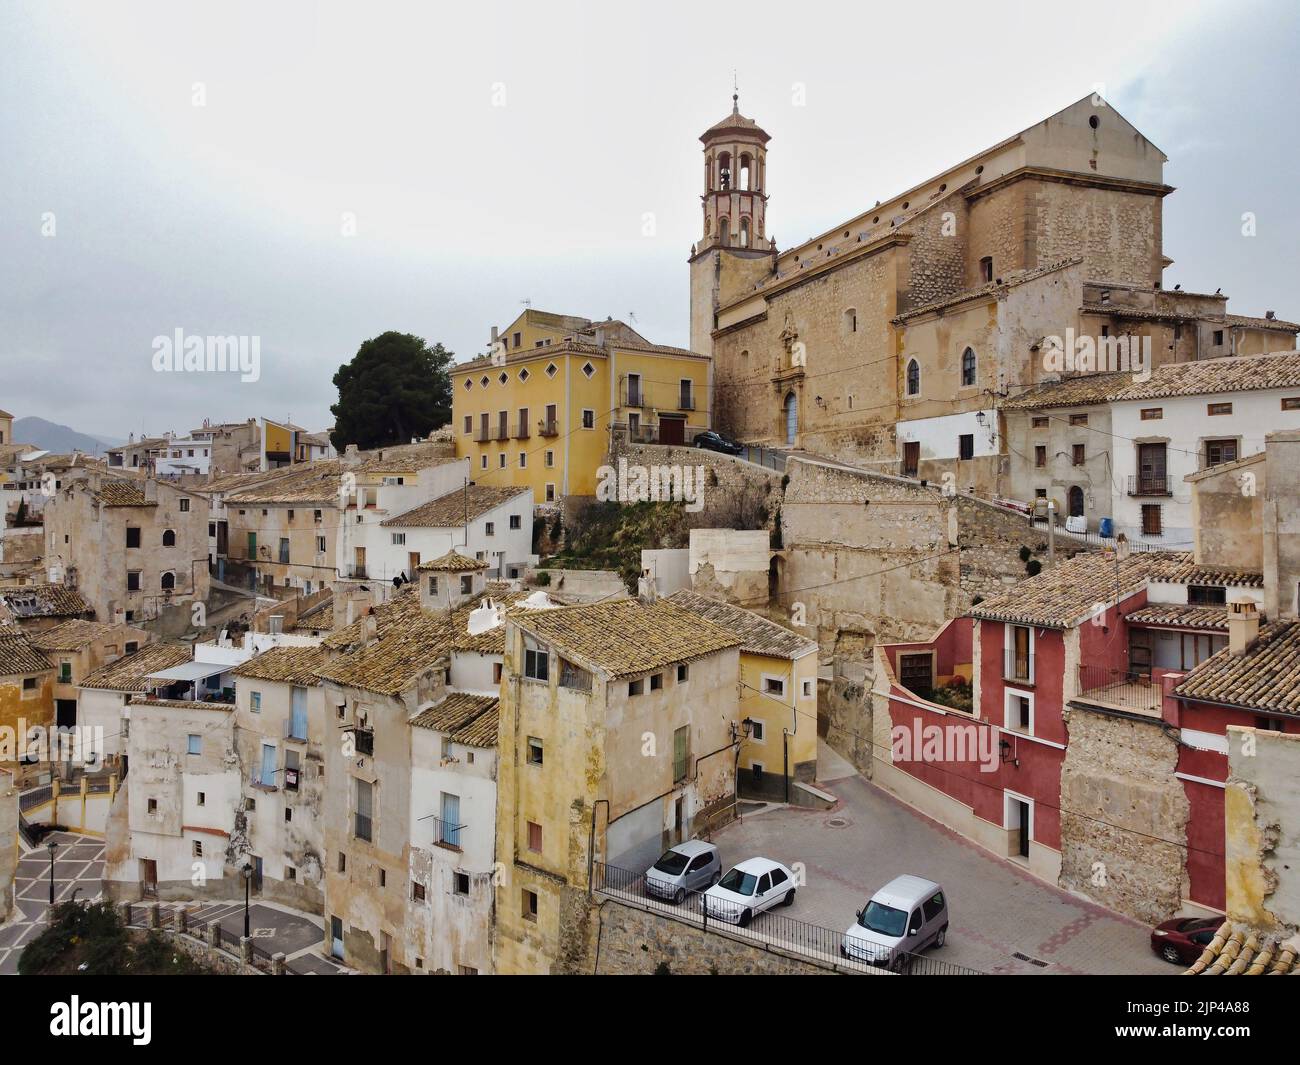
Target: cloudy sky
(198,167)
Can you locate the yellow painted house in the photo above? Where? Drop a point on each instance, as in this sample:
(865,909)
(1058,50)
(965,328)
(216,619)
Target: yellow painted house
(543,409)
(778,698)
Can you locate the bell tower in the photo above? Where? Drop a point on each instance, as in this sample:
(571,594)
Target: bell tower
(734,249)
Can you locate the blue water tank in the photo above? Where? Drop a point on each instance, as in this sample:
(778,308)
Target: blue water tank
(1106,528)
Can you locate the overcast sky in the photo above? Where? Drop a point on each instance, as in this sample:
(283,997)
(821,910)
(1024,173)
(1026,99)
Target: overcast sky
(491,153)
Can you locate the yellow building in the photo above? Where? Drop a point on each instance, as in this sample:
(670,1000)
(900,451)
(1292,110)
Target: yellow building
(778,698)
(542,410)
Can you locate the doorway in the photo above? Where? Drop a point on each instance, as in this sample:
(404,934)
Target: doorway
(791,408)
(149,878)
(336,937)
(672,430)
(1019,823)
(911,458)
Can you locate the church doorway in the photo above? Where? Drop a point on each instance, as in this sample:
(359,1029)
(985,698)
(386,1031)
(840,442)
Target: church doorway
(791,408)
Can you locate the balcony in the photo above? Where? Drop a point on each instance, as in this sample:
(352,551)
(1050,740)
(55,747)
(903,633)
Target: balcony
(482,436)
(1017,666)
(548,427)
(502,433)
(1131,691)
(1149,485)
(634,397)
(685,402)
(362,826)
(521,431)
(357,573)
(445,834)
(364,741)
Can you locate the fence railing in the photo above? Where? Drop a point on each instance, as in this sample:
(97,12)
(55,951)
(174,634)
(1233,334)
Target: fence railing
(1018,665)
(1128,689)
(770,929)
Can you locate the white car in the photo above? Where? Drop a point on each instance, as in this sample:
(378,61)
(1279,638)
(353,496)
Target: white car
(751,887)
(903,918)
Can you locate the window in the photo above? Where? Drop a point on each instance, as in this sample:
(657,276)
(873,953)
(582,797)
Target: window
(194,744)
(29,684)
(198,848)
(534,837)
(681,753)
(501,463)
(588,370)
(574,676)
(851,320)
(1291,402)
(1205,595)
(490,527)
(683,673)
(469,421)
(169,538)
(483,462)
(758,731)
(1019,653)
(534,751)
(1078,419)
(523,459)
(774,686)
(320,545)
(588,418)
(1019,711)
(201,799)
(968,367)
(635,687)
(133,581)
(168,581)
(1152,414)
(1218,338)
(343,862)
(383,878)
(1078,456)
(550,459)
(1215,409)
(152,806)
(65,672)
(460,883)
(1039,422)
(132,536)
(362,817)
(1151,521)
(913,378)
(657,682)
(529,905)
(966,446)
(516,521)
(550,493)
(255,702)
(1217,451)
(537,664)
(467,582)
(185,505)
(1040,456)
(433,585)
(417,891)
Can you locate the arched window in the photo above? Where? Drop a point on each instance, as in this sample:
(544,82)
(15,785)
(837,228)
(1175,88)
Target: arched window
(724,171)
(169,538)
(1076,501)
(913,378)
(746,169)
(168,581)
(851,320)
(724,232)
(744,232)
(968,367)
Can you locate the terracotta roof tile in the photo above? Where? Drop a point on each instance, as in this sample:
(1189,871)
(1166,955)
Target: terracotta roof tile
(453,562)
(117,492)
(455,711)
(1266,677)
(1247,953)
(1243,373)
(1181,568)
(44,600)
(482,731)
(760,636)
(71,635)
(128,674)
(1174,615)
(625,637)
(289,665)
(17,655)
(458,507)
(1084,390)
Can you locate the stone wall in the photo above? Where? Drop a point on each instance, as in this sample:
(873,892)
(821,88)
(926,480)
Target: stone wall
(8,841)
(1120,803)
(623,940)
(1262,806)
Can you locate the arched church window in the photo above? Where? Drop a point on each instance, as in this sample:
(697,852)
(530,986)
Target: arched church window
(968,367)
(913,378)
(746,170)
(724,232)
(724,171)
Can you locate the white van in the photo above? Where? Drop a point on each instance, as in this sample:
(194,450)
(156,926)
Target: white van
(904,917)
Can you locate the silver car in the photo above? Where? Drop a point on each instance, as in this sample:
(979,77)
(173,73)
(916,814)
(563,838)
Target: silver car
(690,866)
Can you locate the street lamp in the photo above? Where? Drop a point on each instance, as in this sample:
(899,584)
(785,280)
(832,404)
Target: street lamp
(248,879)
(51,847)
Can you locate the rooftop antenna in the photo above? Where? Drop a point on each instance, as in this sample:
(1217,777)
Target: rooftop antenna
(526,302)
(631,316)
(735,94)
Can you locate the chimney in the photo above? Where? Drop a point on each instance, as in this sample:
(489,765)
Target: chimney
(150,487)
(1243,627)
(645,588)
(370,629)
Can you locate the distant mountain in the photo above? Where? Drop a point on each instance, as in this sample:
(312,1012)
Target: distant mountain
(59,438)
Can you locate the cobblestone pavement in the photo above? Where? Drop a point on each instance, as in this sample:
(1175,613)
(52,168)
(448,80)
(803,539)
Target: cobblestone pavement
(997,910)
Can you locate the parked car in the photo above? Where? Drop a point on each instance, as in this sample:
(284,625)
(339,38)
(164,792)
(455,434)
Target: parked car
(713,441)
(690,866)
(751,887)
(1182,940)
(903,917)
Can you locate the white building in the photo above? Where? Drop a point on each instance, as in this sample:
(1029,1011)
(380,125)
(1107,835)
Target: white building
(1187,417)
(182,456)
(491,524)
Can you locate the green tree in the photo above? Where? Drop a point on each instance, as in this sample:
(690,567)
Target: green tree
(396,387)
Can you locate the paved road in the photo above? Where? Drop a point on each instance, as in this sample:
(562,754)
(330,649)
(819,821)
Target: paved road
(997,910)
(79,867)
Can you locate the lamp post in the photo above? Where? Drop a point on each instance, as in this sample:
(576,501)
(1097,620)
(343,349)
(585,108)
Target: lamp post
(248,879)
(51,847)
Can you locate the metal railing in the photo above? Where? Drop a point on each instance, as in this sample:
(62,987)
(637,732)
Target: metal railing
(363,827)
(521,430)
(446,834)
(1128,689)
(1149,485)
(548,427)
(767,930)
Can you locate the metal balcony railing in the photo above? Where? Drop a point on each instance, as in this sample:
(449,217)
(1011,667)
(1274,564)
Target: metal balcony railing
(1149,485)
(686,403)
(521,431)
(548,427)
(482,436)
(362,826)
(445,834)
(1125,689)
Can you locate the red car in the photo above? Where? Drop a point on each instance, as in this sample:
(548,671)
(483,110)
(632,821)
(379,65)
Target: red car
(1183,939)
